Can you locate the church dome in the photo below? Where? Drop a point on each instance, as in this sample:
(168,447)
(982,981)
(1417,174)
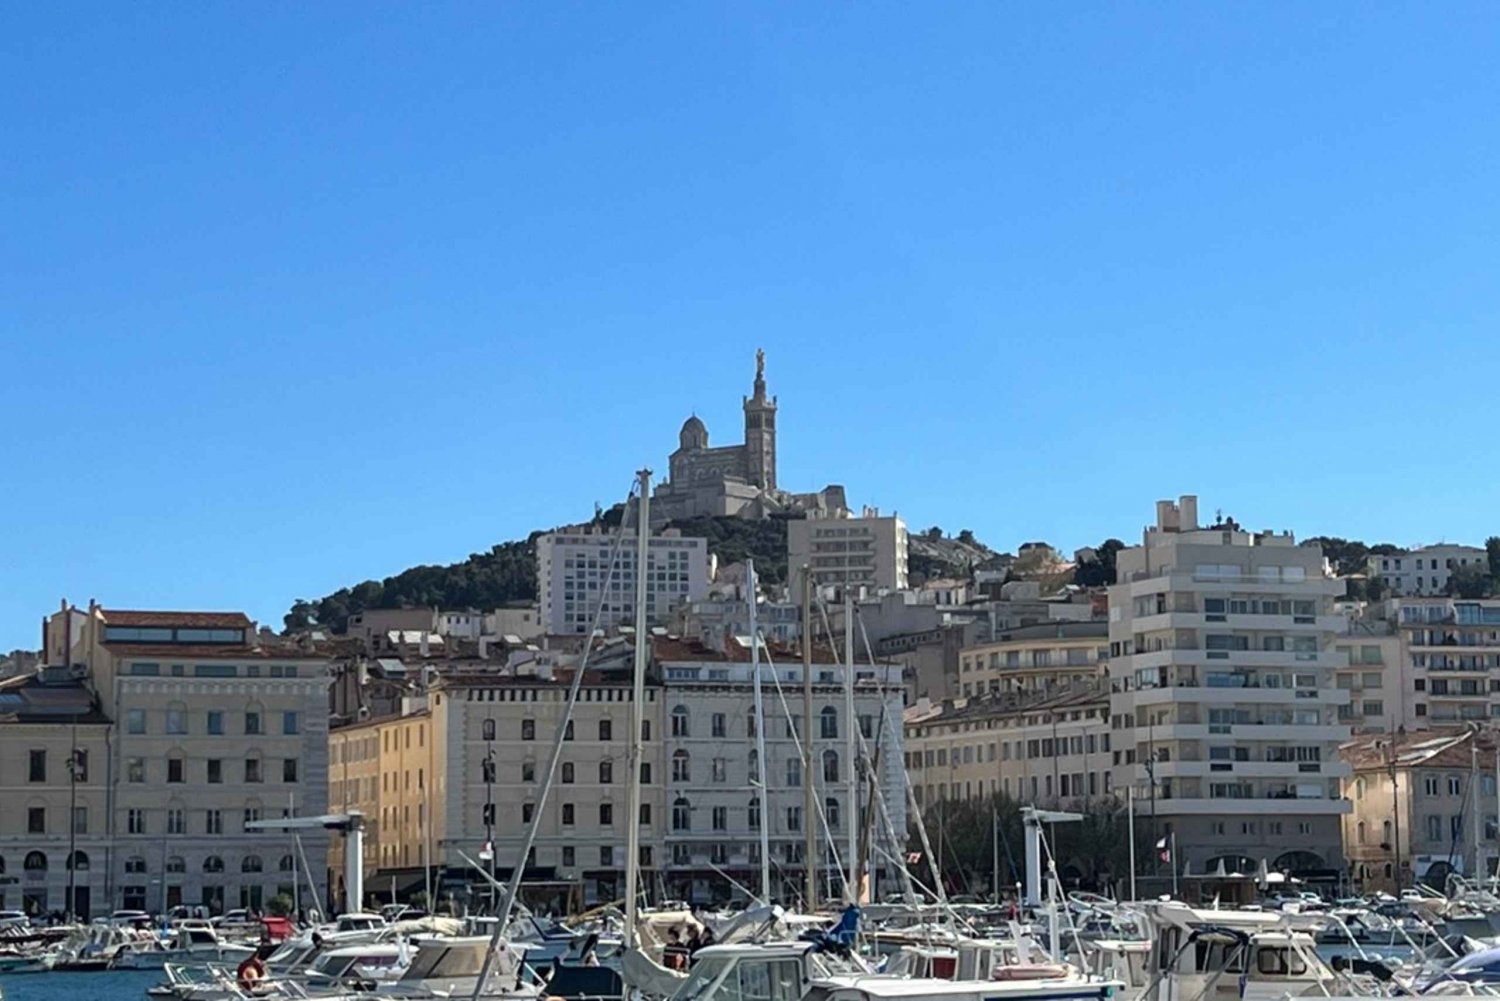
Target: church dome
(694,435)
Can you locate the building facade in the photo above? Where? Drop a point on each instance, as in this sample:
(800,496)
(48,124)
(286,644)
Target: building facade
(575,581)
(386,769)
(1451,666)
(1368,663)
(1224,706)
(868,553)
(215,727)
(719,792)
(1424,571)
(579,856)
(1037,659)
(1048,749)
(1414,814)
(54,767)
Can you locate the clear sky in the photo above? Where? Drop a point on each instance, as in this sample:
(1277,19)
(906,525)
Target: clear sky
(293,295)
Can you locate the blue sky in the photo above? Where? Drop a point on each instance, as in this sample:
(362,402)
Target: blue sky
(296,295)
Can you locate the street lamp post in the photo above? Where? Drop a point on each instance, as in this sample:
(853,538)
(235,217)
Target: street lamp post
(75,766)
(488,730)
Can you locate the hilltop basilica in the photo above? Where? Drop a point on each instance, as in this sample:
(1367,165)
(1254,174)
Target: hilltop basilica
(735,479)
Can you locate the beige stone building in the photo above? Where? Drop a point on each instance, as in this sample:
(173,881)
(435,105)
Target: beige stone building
(1037,659)
(1050,749)
(868,552)
(1414,812)
(387,769)
(1368,664)
(579,855)
(215,726)
(54,830)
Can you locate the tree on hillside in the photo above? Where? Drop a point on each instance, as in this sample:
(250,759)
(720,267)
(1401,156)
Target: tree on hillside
(1469,582)
(1492,550)
(1101,571)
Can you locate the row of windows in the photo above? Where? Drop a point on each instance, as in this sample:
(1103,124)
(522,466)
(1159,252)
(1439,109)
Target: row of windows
(177,721)
(145,670)
(1035,788)
(1005,750)
(253,770)
(136,821)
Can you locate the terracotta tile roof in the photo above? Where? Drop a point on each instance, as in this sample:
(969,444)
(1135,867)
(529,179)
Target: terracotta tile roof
(1447,747)
(198,620)
(676,649)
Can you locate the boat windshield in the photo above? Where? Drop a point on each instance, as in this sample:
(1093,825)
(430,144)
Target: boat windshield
(706,972)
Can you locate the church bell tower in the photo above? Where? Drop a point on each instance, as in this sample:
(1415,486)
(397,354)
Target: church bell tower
(760,430)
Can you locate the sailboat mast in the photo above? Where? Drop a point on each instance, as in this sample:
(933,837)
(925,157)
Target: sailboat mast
(637,709)
(758,786)
(809,789)
(851,760)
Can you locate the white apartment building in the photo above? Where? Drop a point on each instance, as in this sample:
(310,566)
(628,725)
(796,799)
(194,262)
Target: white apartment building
(574,577)
(1224,706)
(867,552)
(1451,668)
(718,792)
(215,726)
(1424,571)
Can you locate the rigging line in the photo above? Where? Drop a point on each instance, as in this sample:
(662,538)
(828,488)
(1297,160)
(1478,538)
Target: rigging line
(797,742)
(513,887)
(934,863)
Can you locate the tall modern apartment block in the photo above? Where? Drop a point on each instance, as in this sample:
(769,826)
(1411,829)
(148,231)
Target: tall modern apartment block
(575,580)
(1223,702)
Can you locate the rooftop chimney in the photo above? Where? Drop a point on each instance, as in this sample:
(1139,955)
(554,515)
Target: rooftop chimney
(1166,516)
(1187,511)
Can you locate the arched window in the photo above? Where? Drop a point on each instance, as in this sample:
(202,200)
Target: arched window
(175,864)
(213,864)
(35,862)
(754,813)
(831,813)
(794,772)
(828,723)
(1297,860)
(682,815)
(754,767)
(286,864)
(251,863)
(78,861)
(830,766)
(2,865)
(1359,832)
(1385,831)
(135,864)
(679,721)
(750,723)
(1387,870)
(681,767)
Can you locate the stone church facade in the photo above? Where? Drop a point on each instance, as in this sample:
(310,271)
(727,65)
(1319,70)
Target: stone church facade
(737,480)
